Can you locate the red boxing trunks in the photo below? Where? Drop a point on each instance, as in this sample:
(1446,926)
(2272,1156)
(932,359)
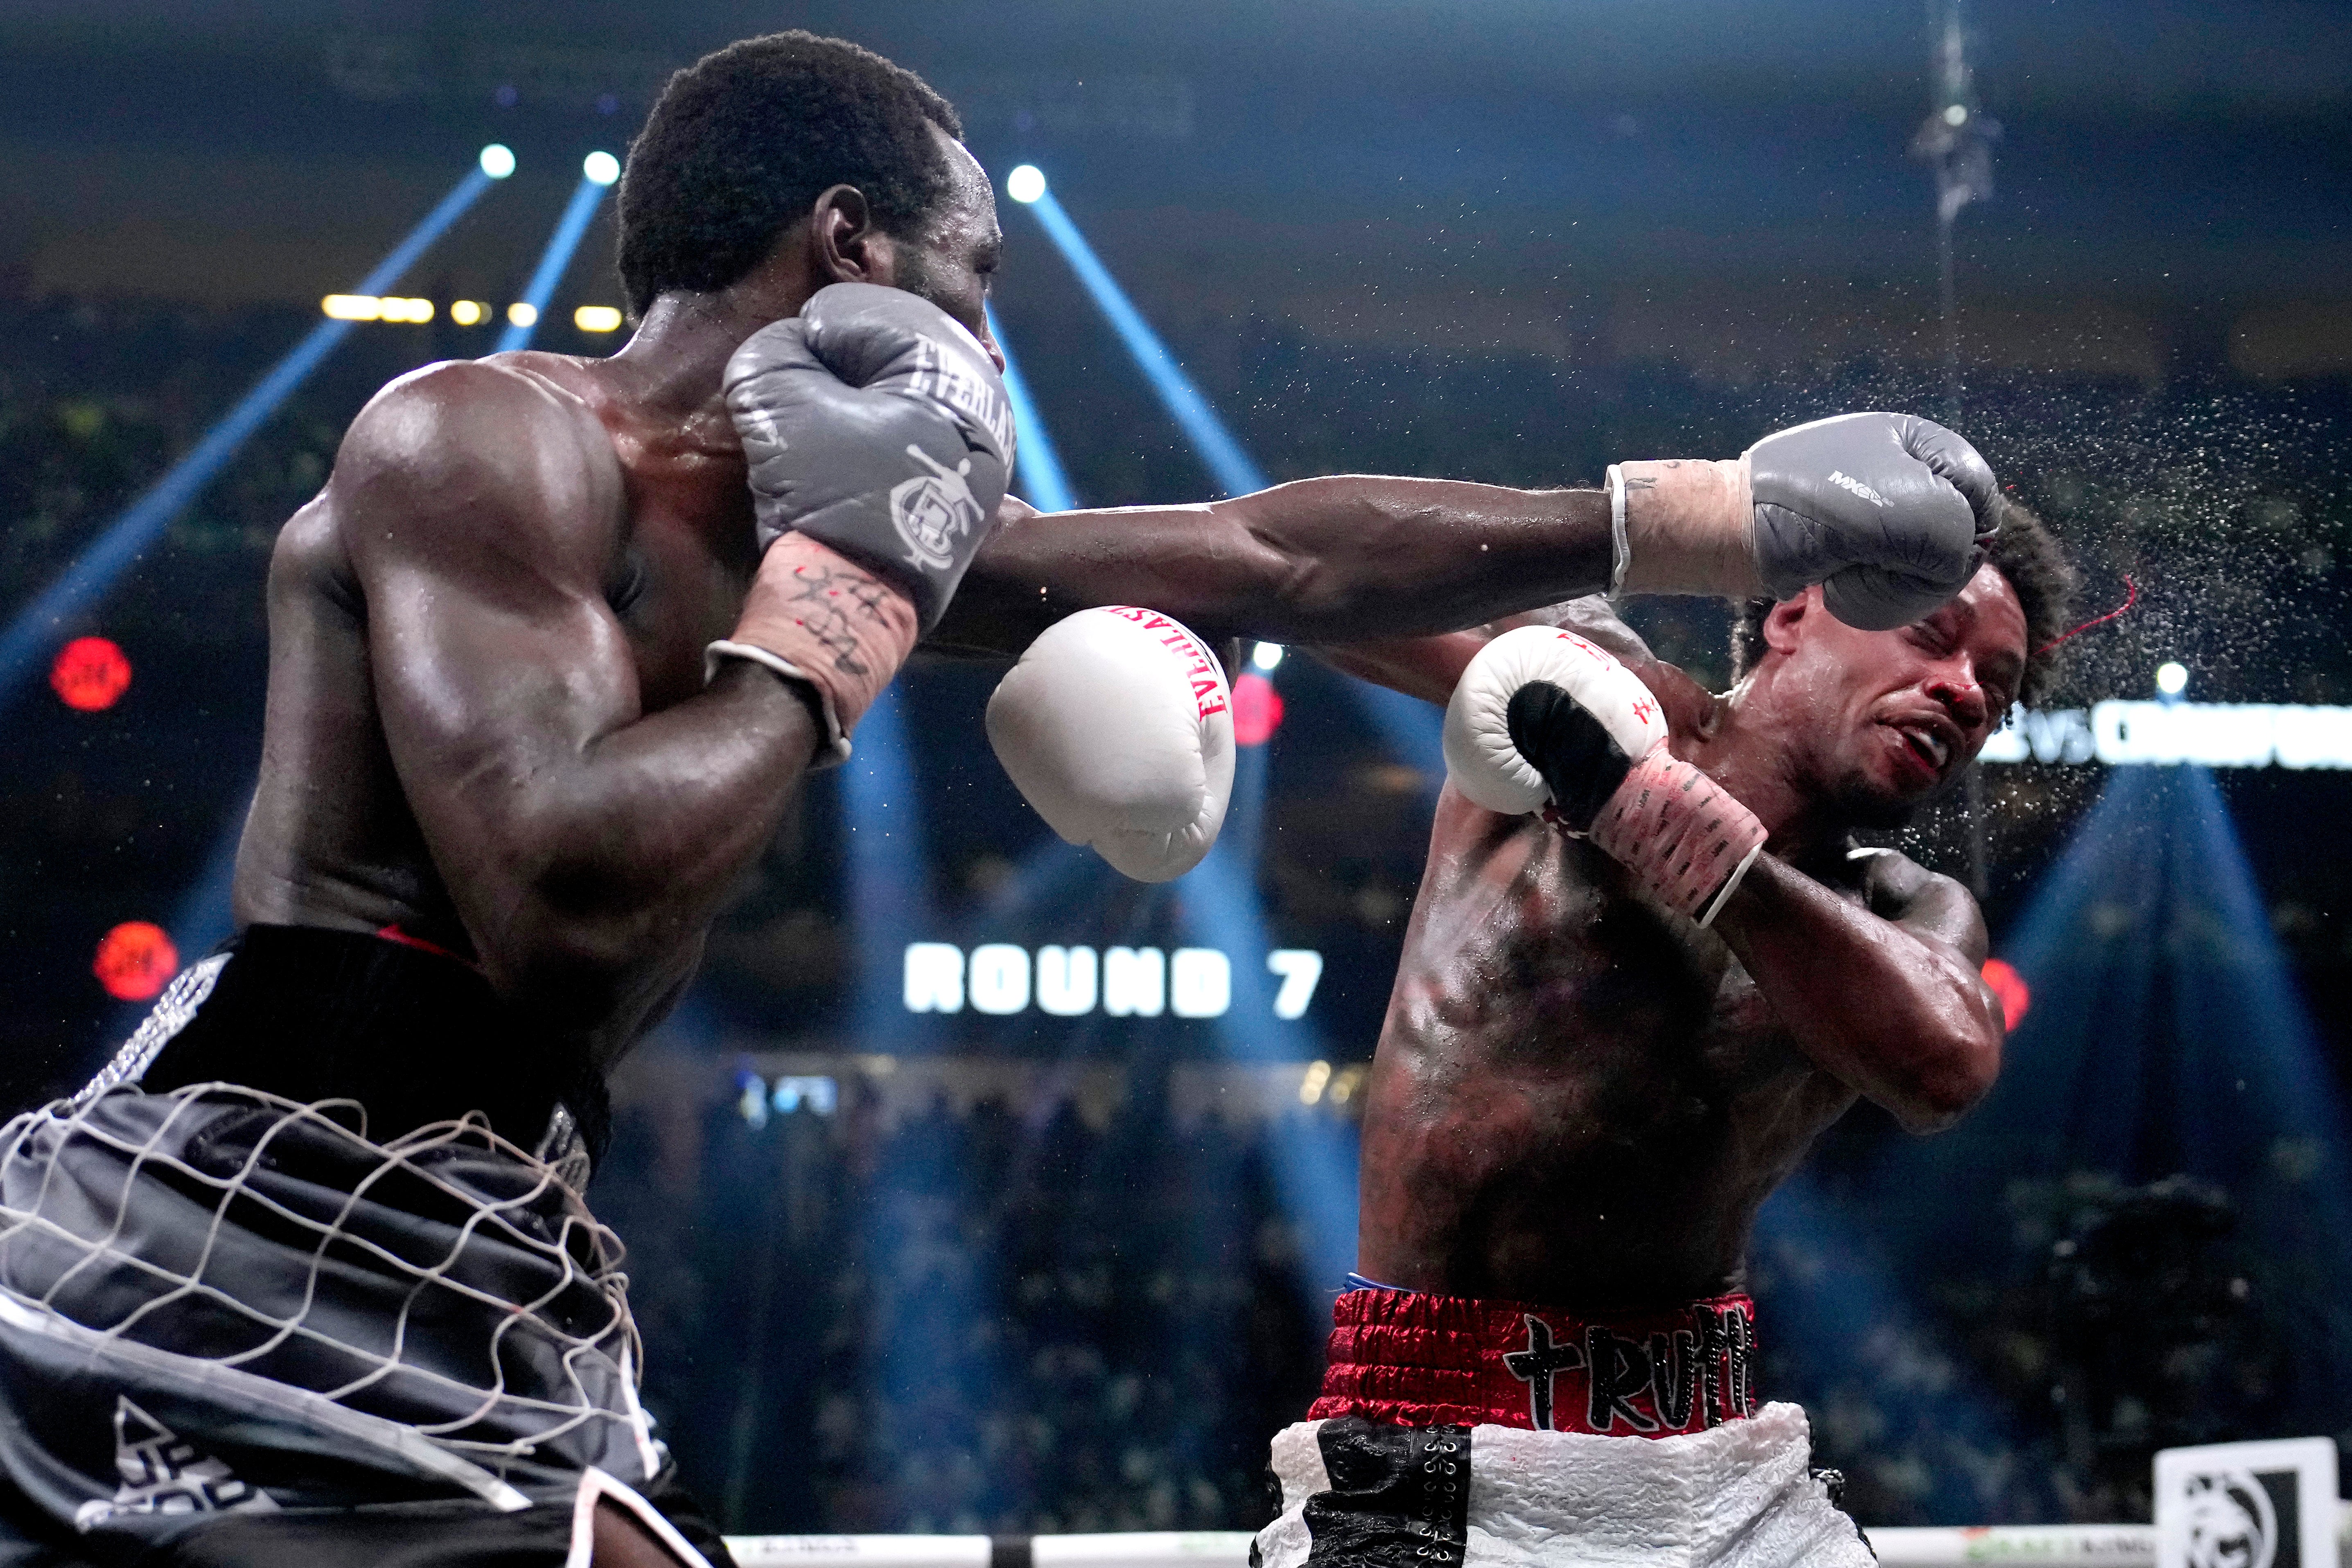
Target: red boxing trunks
(1418,1360)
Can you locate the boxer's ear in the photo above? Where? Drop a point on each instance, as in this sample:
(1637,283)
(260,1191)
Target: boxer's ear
(847,246)
(1784,624)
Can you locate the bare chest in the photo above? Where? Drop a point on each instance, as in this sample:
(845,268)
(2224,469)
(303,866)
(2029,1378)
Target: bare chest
(685,561)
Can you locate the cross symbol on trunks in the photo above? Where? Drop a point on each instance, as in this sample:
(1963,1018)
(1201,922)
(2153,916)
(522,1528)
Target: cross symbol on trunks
(1536,1365)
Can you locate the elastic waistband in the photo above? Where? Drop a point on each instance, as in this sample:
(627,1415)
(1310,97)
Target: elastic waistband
(1418,1360)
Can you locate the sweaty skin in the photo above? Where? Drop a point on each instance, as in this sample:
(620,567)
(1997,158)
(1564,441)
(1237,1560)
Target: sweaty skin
(1582,1099)
(487,722)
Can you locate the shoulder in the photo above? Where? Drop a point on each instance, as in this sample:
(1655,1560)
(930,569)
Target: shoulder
(491,453)
(1896,887)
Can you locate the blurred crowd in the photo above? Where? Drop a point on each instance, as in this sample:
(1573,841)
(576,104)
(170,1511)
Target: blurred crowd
(1027,1311)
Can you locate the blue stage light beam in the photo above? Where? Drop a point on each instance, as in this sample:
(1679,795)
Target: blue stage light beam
(1037,465)
(570,229)
(2164,1036)
(882,814)
(1232,467)
(36,626)
(1410,728)
(1315,1157)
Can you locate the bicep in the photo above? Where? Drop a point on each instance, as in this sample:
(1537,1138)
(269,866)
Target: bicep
(481,537)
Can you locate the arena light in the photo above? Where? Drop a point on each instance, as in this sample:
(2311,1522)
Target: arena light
(134,961)
(1036,465)
(468,312)
(1226,461)
(497,161)
(1026,184)
(90,674)
(597,319)
(2171,679)
(523,316)
(600,168)
(350,307)
(1257,710)
(1266,657)
(96,569)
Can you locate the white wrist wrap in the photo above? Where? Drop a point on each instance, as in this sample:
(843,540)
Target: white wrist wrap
(835,750)
(1620,554)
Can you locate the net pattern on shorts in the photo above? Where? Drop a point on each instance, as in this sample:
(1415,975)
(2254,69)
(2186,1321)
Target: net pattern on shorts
(448,1280)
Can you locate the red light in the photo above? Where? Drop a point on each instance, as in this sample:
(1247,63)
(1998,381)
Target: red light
(134,961)
(1257,710)
(2008,984)
(90,674)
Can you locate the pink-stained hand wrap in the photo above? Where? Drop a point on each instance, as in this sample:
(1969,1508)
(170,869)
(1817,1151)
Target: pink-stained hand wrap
(1682,835)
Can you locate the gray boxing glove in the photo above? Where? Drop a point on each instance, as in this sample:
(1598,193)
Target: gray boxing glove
(1889,512)
(875,423)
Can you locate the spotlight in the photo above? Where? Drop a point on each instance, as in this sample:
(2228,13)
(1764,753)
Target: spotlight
(1257,710)
(498,163)
(2171,679)
(90,674)
(522,313)
(1026,184)
(134,961)
(596,318)
(392,309)
(351,307)
(1956,115)
(468,312)
(600,167)
(1268,657)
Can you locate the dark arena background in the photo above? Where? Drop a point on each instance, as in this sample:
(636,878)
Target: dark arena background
(974,1188)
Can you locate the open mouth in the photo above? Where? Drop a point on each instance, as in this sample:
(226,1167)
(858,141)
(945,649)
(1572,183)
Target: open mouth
(1933,749)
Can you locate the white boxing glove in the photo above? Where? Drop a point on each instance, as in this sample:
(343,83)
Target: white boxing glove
(1117,727)
(1543,719)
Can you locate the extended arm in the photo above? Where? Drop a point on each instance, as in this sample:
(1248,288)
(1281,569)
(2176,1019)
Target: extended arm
(587,843)
(1326,560)
(1893,1008)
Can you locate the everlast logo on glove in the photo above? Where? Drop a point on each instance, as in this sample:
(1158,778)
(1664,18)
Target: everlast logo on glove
(1208,681)
(932,511)
(953,379)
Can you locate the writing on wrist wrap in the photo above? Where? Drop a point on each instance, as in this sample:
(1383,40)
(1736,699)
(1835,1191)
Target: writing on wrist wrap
(815,617)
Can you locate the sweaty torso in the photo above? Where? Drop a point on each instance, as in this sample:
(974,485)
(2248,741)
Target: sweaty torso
(331,840)
(1578,1098)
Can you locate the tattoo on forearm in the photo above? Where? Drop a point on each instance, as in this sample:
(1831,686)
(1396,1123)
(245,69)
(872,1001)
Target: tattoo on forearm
(829,602)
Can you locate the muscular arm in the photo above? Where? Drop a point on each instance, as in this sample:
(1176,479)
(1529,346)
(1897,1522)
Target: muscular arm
(1894,1007)
(587,843)
(1328,560)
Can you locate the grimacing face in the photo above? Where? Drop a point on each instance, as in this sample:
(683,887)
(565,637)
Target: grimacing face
(1893,717)
(952,260)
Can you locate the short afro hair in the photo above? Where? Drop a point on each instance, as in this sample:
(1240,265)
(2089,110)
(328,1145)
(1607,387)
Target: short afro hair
(2023,552)
(741,142)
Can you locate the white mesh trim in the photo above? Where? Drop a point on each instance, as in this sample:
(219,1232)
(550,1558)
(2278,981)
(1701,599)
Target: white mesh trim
(172,1012)
(544,1415)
